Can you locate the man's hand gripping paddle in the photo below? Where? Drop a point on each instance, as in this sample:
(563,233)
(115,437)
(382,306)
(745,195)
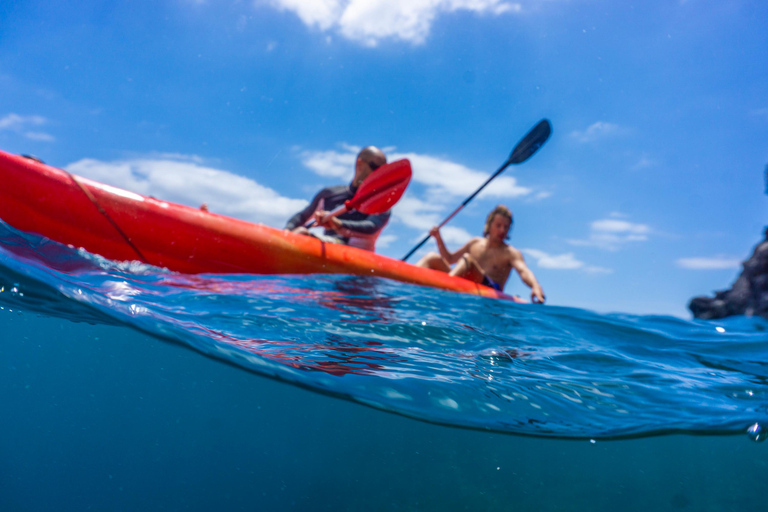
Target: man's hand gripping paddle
(378,192)
(522,152)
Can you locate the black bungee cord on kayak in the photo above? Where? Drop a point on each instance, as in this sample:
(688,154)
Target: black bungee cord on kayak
(90,196)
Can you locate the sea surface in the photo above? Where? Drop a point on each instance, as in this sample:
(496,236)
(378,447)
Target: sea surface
(128,387)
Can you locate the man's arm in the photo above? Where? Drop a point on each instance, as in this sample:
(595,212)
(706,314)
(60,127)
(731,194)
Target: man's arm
(300,218)
(448,256)
(362,228)
(368,226)
(518,263)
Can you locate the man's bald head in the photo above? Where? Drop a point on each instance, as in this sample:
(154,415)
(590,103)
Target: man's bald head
(372,154)
(368,160)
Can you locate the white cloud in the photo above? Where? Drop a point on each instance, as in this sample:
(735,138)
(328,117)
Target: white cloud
(597,270)
(188,182)
(15,121)
(331,163)
(20,124)
(442,176)
(178,156)
(596,131)
(444,183)
(42,136)
(715,263)
(560,261)
(620,226)
(322,14)
(423,215)
(610,234)
(454,235)
(565,261)
(371,21)
(385,241)
(458,180)
(643,163)
(541,195)
(415,213)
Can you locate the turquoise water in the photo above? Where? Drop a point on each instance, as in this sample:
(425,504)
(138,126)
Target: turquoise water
(341,393)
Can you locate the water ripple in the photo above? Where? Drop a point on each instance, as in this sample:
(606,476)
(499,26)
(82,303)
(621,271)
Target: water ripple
(433,355)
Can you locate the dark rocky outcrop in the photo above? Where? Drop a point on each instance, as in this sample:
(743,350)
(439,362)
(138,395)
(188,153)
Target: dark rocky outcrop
(747,296)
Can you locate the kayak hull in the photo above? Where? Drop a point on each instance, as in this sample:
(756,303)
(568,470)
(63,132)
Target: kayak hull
(121,225)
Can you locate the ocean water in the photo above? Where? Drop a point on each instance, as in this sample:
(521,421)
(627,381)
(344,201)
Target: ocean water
(127,387)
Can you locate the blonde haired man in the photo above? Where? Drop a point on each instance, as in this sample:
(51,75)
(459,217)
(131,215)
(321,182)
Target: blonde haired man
(488,259)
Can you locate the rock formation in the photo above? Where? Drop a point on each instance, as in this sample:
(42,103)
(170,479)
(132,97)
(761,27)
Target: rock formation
(747,296)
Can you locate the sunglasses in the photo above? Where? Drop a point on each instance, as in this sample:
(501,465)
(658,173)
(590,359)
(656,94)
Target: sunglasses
(373,165)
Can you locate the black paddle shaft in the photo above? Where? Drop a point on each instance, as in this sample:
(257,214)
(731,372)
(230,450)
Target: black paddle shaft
(522,152)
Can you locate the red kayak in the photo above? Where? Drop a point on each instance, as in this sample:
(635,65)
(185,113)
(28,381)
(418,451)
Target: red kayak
(122,225)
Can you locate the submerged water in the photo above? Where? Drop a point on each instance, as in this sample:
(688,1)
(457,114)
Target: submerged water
(100,415)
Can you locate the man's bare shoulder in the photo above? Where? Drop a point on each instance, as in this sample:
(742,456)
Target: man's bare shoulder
(471,246)
(473,242)
(514,253)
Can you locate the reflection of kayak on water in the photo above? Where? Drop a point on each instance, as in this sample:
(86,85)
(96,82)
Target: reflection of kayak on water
(122,225)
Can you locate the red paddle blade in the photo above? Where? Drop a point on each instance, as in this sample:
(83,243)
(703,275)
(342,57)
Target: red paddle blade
(382,188)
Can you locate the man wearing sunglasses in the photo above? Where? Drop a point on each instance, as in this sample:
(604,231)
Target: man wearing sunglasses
(353,227)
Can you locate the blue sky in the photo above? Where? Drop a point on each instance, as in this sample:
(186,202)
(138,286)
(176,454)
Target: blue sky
(650,191)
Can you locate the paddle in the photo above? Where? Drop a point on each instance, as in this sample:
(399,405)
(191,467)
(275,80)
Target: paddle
(379,191)
(522,152)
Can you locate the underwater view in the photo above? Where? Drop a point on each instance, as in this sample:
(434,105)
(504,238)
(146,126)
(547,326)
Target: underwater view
(348,392)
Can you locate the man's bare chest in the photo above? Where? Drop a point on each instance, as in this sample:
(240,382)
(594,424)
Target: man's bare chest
(491,258)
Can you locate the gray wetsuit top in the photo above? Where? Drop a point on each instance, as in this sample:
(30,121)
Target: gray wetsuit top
(364,229)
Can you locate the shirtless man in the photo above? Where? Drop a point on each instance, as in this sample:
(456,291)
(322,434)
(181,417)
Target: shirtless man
(488,259)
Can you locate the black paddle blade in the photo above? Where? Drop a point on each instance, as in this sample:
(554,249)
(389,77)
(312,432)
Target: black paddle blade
(531,143)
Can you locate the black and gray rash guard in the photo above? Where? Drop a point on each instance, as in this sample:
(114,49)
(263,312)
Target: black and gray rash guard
(358,229)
